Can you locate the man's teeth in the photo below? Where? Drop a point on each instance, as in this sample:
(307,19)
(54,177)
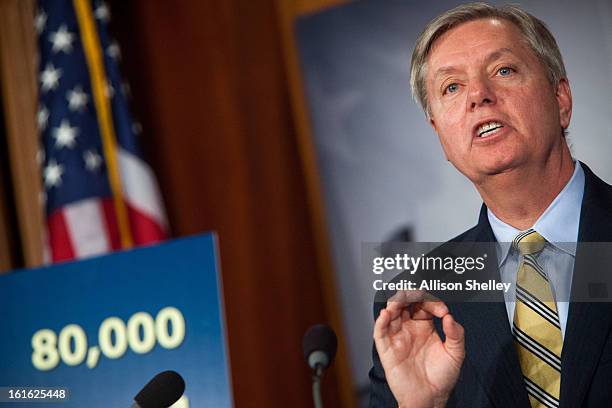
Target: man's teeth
(487,128)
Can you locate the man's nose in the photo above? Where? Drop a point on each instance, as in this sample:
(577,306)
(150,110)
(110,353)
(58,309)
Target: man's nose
(480,94)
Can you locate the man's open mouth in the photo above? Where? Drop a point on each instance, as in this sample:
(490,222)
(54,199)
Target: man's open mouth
(487,129)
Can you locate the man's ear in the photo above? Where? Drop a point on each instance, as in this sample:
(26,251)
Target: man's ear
(564,99)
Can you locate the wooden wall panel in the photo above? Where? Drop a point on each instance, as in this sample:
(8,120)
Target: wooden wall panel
(19,94)
(209,84)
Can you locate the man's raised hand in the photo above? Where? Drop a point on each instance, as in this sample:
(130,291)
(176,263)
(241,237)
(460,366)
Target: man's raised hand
(421,370)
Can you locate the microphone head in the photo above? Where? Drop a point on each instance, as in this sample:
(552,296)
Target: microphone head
(162,391)
(319,345)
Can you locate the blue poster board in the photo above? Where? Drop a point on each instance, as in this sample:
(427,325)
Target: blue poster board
(102,328)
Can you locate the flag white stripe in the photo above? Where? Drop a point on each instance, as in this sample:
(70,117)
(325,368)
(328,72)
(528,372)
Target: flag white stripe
(85,223)
(140,188)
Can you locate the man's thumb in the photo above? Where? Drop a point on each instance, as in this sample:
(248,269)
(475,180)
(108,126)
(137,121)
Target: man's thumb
(455,338)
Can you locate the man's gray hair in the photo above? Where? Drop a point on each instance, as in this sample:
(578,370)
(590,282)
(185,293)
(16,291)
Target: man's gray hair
(534,31)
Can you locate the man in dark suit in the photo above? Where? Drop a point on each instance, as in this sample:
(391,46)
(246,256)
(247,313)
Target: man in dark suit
(492,83)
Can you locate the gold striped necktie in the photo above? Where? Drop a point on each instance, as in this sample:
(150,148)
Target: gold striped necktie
(536,328)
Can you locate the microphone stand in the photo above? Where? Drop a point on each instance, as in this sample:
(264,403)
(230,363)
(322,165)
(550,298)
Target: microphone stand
(316,386)
(319,345)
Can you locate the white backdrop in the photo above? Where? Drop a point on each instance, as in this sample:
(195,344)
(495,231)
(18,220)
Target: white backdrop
(381,166)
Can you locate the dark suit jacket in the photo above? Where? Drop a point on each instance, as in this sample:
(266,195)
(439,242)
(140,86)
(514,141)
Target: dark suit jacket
(491,375)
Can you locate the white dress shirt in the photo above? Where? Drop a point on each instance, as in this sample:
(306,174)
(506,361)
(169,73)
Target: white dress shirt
(559,226)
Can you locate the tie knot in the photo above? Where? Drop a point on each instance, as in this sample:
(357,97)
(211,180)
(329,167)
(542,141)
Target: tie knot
(529,242)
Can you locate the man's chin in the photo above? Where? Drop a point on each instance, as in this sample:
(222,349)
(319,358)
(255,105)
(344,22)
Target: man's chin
(502,164)
(489,171)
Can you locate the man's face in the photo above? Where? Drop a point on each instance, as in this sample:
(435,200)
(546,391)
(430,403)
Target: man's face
(491,102)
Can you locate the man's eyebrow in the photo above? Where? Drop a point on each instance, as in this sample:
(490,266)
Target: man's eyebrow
(491,57)
(445,70)
(498,53)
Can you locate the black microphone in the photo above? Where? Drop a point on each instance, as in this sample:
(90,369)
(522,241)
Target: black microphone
(161,392)
(319,345)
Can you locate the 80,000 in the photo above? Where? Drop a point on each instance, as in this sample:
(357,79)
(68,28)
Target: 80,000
(141,334)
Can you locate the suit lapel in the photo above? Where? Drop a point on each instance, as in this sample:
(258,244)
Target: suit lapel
(588,324)
(489,344)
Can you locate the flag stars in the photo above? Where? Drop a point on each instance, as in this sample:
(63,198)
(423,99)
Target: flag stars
(53,174)
(50,77)
(65,135)
(102,12)
(62,40)
(77,99)
(114,51)
(40,21)
(42,117)
(92,159)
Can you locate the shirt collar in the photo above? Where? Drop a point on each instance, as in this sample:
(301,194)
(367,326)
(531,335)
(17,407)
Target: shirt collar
(558,224)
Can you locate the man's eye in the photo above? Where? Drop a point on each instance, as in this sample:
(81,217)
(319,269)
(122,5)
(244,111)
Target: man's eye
(452,88)
(505,71)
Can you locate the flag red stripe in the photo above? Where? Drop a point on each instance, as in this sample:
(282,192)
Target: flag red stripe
(110,220)
(60,241)
(145,230)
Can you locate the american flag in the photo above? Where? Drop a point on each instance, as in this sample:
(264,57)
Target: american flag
(100,194)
